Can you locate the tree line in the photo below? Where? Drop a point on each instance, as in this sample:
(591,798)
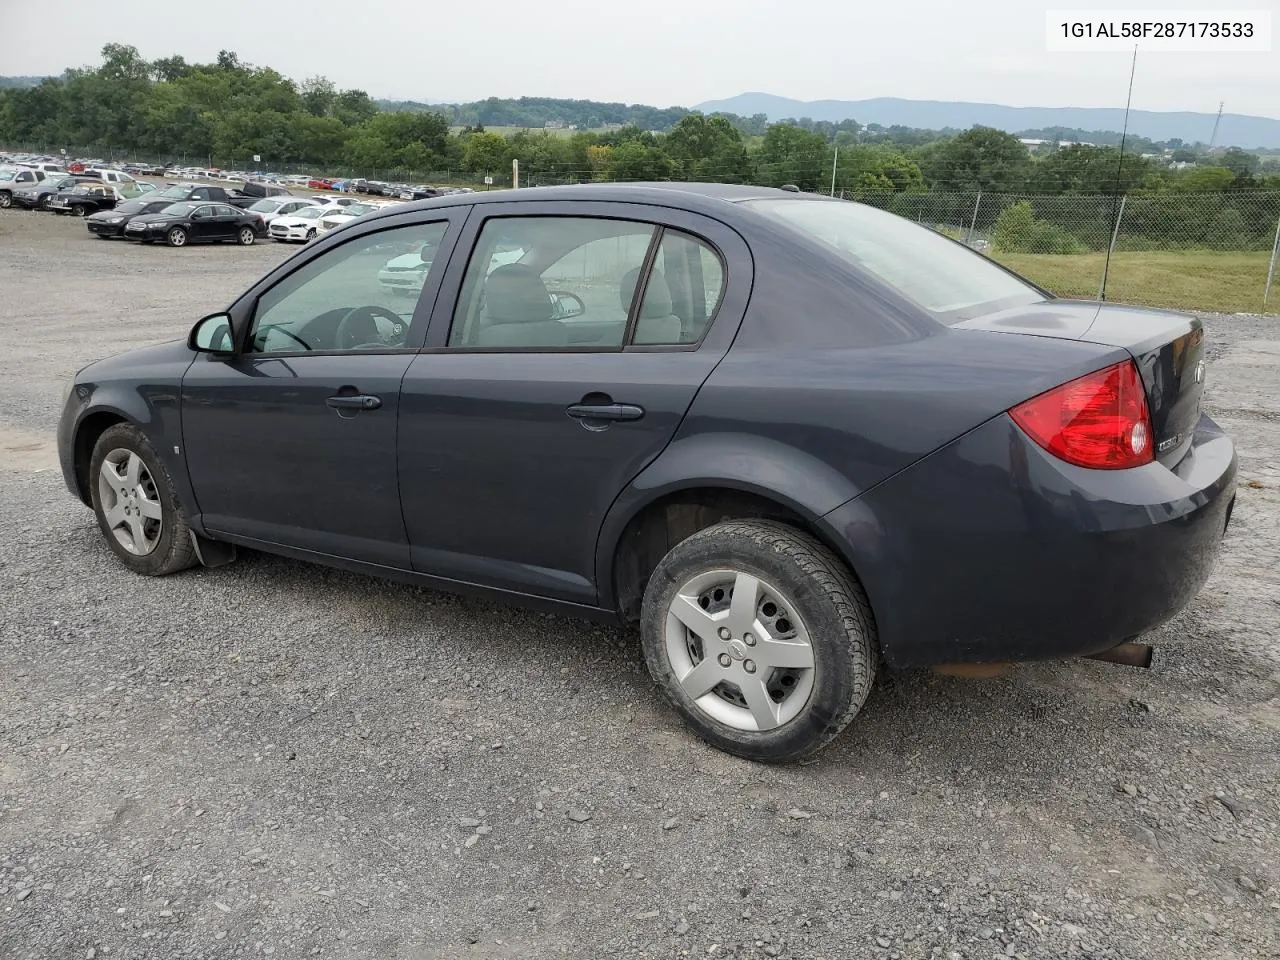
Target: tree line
(223,113)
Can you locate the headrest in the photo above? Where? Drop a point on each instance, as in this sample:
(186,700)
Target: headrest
(514,293)
(657,293)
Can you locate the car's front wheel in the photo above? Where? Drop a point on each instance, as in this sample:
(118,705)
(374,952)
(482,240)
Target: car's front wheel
(177,237)
(134,501)
(247,236)
(6,201)
(760,637)
(311,234)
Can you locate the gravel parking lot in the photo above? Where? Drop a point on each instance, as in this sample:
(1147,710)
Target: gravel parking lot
(273,759)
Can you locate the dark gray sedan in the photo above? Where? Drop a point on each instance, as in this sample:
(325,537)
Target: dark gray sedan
(791,437)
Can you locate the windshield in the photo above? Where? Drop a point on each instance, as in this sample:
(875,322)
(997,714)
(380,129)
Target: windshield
(179,209)
(266,206)
(310,213)
(945,278)
(356,209)
(132,206)
(177,192)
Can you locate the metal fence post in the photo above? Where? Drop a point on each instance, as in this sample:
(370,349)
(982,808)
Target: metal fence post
(973,222)
(1106,266)
(1271,267)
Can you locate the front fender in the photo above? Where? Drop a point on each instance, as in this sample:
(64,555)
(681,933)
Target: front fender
(150,402)
(741,462)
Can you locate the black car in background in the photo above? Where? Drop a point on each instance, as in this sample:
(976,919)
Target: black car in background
(86,198)
(193,222)
(111,223)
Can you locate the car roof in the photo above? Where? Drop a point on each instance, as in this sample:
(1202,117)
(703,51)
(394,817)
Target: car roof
(705,197)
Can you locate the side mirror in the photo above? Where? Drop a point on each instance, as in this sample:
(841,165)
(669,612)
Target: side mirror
(212,334)
(567,305)
(197,214)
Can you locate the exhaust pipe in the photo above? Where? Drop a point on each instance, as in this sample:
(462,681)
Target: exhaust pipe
(1130,654)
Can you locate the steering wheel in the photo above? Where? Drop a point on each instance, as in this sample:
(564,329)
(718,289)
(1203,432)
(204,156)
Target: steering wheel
(261,336)
(370,312)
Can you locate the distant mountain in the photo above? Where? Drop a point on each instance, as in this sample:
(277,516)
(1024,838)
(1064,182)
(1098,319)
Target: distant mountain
(1235,130)
(20,82)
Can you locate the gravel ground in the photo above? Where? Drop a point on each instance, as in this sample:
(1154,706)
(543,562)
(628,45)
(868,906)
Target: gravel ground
(273,759)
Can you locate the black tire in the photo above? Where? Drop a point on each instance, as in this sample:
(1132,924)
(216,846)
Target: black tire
(825,596)
(174,550)
(80,210)
(311,234)
(6,201)
(177,237)
(247,237)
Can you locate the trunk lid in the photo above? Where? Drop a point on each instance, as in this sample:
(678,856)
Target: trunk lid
(1167,347)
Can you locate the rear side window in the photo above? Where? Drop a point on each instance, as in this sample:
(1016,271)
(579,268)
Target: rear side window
(551,283)
(556,283)
(681,293)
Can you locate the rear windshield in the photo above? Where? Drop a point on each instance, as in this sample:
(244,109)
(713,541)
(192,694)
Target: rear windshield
(948,280)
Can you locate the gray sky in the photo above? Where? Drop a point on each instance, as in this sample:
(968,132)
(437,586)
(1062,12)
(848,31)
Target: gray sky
(663,52)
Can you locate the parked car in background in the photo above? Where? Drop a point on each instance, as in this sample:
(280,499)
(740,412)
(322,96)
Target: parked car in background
(320,183)
(13,179)
(336,218)
(38,195)
(301,225)
(790,438)
(89,197)
(108,176)
(419,191)
(207,191)
(187,222)
(269,208)
(106,224)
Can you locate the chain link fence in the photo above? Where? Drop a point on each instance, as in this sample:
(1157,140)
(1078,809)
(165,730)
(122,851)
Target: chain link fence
(1187,251)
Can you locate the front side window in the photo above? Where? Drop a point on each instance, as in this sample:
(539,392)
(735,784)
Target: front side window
(358,296)
(550,283)
(949,280)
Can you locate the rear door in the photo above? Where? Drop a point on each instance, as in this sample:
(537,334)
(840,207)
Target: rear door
(567,344)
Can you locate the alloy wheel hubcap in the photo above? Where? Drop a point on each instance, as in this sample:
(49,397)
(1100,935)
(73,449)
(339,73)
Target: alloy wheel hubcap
(130,502)
(739,650)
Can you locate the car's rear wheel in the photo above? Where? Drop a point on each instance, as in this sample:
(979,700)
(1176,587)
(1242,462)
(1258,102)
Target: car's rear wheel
(134,501)
(760,637)
(247,236)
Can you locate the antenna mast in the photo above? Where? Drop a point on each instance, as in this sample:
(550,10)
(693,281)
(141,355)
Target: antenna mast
(1213,138)
(1106,264)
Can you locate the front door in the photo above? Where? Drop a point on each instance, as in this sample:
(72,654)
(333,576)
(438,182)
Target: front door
(576,346)
(293,441)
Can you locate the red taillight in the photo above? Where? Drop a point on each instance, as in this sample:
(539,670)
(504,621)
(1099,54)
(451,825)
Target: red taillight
(1099,420)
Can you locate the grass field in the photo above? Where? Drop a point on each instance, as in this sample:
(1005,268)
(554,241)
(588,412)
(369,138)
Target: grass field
(1187,280)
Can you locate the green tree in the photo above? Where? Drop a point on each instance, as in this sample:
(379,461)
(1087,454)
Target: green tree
(981,158)
(792,155)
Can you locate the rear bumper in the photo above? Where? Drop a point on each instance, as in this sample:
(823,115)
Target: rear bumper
(992,550)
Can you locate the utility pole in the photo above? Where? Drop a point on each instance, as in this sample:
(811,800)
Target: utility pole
(834,157)
(1213,137)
